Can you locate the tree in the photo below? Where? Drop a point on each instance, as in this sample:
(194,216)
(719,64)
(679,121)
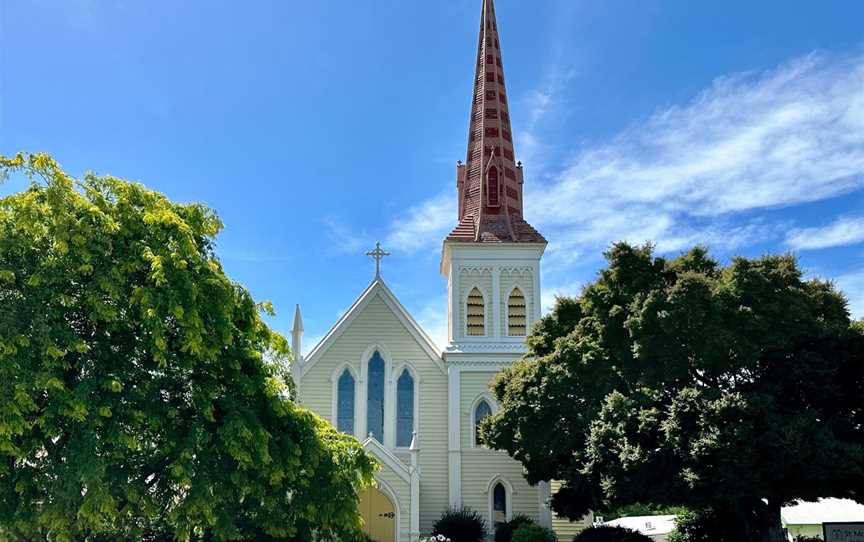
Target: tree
(685,383)
(140,389)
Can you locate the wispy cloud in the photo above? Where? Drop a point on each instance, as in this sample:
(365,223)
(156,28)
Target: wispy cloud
(433,318)
(751,141)
(423,225)
(852,285)
(843,231)
(345,239)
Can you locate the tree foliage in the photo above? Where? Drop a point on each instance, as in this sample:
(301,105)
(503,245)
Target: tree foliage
(140,389)
(461,525)
(609,533)
(686,383)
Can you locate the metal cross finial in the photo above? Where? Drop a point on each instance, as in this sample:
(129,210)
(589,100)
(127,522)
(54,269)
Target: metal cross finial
(378,254)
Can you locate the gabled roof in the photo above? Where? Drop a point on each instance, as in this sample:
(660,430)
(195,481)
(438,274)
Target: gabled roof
(376,289)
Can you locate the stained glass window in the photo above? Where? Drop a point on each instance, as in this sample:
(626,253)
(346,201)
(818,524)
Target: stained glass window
(345,403)
(404,409)
(375,397)
(480,412)
(499,505)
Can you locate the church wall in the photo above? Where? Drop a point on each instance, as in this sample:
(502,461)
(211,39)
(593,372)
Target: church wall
(377,324)
(481,465)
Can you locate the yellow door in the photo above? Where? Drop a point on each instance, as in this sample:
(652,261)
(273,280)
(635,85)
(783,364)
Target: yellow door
(379,516)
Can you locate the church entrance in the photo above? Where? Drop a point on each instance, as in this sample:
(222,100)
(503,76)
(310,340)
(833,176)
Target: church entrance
(379,516)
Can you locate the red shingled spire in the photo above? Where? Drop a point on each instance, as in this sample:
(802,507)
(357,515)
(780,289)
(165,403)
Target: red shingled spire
(490,182)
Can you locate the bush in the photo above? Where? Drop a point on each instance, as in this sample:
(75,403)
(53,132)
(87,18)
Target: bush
(504,532)
(461,525)
(608,533)
(702,526)
(531,532)
(802,538)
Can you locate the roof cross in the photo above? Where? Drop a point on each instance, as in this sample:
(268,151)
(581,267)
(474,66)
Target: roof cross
(378,254)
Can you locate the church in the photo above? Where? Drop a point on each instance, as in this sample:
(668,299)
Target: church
(377,375)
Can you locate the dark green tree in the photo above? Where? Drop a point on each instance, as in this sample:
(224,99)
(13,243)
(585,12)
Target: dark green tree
(141,395)
(686,383)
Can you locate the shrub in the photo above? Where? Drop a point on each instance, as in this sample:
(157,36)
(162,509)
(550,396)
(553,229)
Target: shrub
(702,526)
(802,538)
(531,532)
(461,525)
(504,532)
(608,533)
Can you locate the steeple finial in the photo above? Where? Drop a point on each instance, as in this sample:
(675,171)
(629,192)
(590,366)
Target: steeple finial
(490,183)
(378,254)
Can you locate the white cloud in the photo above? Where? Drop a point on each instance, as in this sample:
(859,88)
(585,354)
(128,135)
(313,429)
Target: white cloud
(565,290)
(433,319)
(345,239)
(843,231)
(423,225)
(852,286)
(791,135)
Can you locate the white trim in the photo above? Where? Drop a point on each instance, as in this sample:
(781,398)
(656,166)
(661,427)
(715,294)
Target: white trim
(508,490)
(397,374)
(528,312)
(544,504)
(388,492)
(363,426)
(493,407)
(386,457)
(464,311)
(334,394)
(380,289)
(496,302)
(454,435)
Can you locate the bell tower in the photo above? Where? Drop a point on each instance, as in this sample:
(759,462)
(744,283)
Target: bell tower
(492,256)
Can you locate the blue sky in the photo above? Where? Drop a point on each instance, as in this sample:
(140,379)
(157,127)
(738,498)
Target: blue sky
(317,128)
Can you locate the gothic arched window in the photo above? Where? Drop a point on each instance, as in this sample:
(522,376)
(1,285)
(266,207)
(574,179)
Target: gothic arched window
(476,313)
(481,411)
(375,397)
(404,409)
(516,314)
(345,403)
(499,505)
(492,184)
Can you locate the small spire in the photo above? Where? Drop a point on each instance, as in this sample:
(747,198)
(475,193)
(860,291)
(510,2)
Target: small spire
(297,334)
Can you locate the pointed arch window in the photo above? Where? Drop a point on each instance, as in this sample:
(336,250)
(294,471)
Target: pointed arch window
(516,314)
(476,313)
(492,183)
(345,403)
(499,505)
(375,397)
(481,412)
(404,409)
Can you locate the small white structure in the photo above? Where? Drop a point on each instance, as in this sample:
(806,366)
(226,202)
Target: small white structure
(655,527)
(806,518)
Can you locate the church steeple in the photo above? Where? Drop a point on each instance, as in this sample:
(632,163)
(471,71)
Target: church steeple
(489,183)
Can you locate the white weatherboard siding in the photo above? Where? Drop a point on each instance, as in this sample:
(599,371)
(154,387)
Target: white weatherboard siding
(480,466)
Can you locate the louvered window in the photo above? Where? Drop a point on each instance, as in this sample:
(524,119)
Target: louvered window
(516,314)
(476,314)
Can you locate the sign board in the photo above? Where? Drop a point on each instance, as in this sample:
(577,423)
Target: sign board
(843,532)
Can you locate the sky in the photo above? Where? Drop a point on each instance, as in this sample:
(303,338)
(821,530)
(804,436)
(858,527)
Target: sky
(315,129)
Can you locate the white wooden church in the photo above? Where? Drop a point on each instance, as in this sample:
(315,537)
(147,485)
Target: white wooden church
(378,376)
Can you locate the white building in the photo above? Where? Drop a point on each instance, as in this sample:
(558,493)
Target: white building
(657,528)
(378,375)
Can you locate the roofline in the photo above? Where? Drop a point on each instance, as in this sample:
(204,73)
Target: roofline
(376,287)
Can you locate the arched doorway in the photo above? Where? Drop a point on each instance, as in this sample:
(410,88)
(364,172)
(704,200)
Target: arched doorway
(379,515)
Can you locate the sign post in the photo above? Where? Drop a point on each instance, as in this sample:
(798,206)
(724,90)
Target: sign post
(843,532)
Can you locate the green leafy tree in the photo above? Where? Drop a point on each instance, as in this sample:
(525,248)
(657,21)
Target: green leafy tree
(686,383)
(140,390)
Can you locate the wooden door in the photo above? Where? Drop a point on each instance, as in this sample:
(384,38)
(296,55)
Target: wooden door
(379,516)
